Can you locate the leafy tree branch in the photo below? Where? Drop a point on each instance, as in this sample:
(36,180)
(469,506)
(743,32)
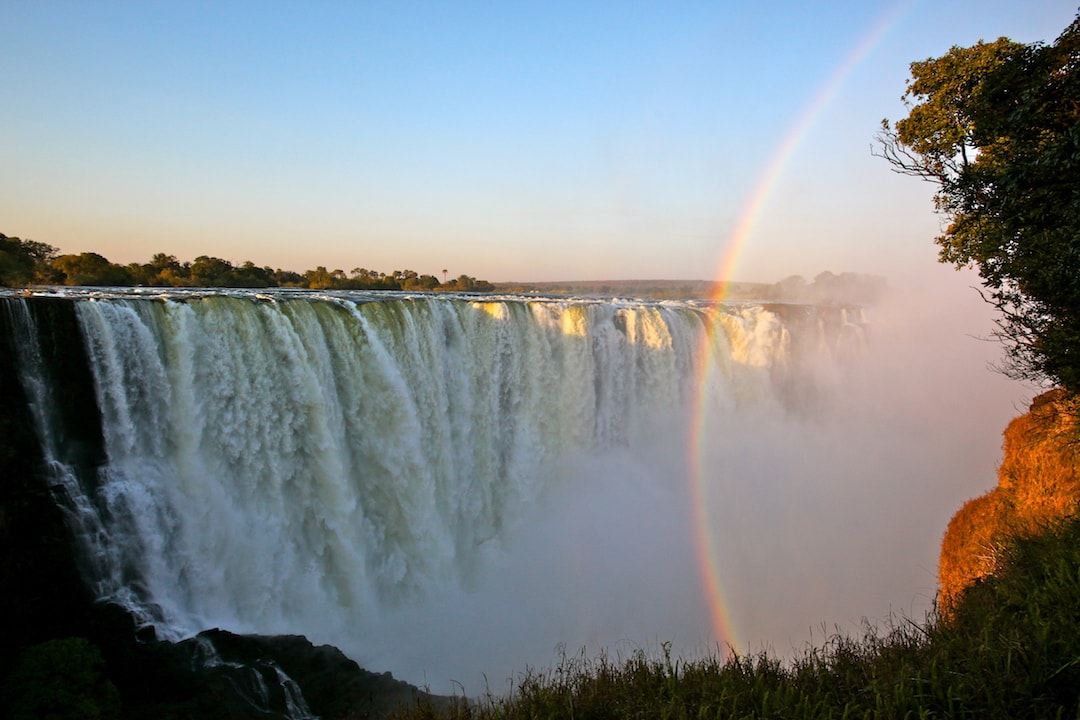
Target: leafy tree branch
(994,126)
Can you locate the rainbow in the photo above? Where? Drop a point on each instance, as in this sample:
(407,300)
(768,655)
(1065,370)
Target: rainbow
(722,624)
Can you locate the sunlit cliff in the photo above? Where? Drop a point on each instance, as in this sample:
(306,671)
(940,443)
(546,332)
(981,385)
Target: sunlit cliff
(1038,482)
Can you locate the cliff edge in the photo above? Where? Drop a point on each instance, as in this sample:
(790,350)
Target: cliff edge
(1038,482)
(65,654)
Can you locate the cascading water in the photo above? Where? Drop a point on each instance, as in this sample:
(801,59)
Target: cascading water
(299,463)
(97,551)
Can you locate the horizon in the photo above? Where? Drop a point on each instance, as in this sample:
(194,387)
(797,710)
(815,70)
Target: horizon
(520,142)
(586,280)
(719,142)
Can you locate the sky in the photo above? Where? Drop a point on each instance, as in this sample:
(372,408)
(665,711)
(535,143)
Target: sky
(531,141)
(510,141)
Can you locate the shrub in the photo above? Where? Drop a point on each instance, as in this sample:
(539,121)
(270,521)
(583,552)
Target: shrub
(62,679)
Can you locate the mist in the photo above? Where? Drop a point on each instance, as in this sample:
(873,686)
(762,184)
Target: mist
(821,519)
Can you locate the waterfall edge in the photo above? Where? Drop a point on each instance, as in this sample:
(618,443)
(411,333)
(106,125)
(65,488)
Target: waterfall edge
(46,597)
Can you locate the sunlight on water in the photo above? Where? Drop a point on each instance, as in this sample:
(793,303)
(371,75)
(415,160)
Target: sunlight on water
(447,488)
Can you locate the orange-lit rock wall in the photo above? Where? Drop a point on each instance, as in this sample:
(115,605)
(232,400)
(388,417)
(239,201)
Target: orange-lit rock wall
(1038,481)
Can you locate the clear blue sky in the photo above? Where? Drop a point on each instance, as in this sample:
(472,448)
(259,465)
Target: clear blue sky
(506,140)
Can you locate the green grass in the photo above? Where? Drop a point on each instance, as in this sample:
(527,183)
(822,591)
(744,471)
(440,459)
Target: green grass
(1010,650)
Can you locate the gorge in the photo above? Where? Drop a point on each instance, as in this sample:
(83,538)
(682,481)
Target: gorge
(405,476)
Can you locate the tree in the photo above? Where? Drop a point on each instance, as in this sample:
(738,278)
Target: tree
(995,126)
(792,287)
(426,282)
(288,278)
(91,269)
(25,261)
(404,278)
(250,275)
(209,271)
(463,282)
(166,271)
(158,272)
(320,278)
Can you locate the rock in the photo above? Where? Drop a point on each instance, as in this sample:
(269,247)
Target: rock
(216,675)
(1038,482)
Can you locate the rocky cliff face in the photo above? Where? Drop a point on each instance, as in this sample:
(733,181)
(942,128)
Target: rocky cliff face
(1038,482)
(44,598)
(43,595)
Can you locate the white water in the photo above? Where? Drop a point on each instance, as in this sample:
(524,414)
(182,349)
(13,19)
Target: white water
(448,487)
(298,464)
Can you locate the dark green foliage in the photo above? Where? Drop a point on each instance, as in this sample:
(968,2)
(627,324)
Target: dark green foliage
(60,680)
(1014,642)
(995,126)
(90,269)
(466,283)
(24,261)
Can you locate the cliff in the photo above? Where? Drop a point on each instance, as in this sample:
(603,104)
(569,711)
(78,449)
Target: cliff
(61,649)
(1038,482)
(43,594)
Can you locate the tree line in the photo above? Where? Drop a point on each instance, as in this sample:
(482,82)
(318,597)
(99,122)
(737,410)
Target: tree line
(829,288)
(28,262)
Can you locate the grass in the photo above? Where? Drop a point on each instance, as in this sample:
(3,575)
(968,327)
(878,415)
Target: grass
(1010,649)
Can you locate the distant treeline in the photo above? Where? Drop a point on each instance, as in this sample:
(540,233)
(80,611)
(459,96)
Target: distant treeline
(27,262)
(826,287)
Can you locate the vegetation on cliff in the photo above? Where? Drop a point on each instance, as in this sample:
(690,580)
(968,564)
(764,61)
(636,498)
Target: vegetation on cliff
(1038,483)
(1010,649)
(27,262)
(995,127)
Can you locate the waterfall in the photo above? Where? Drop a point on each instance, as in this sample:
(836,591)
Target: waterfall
(97,550)
(294,462)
